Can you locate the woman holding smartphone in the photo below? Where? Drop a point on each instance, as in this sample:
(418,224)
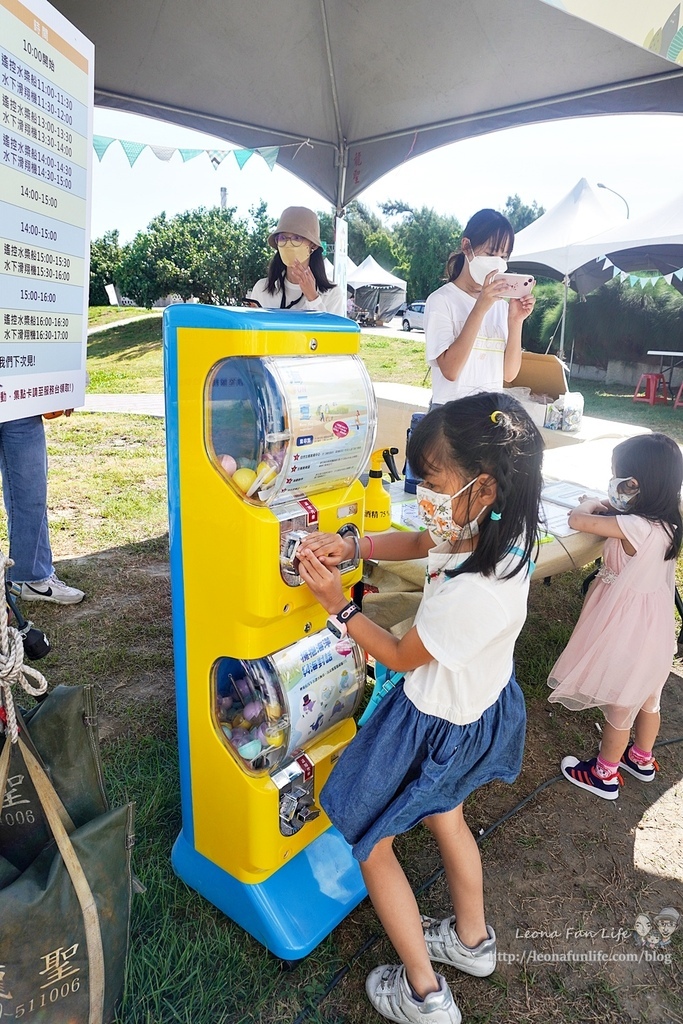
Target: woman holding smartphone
(473,337)
(296,275)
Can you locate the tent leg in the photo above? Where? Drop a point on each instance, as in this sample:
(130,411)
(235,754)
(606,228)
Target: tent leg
(564,316)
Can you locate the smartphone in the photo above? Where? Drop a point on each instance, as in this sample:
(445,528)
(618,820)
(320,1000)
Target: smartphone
(251,303)
(519,285)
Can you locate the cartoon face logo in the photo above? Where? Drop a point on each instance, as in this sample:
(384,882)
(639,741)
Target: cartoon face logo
(656,931)
(667,921)
(642,925)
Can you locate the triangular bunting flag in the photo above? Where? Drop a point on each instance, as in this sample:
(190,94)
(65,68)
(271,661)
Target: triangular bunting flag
(615,272)
(270,155)
(101,143)
(668,278)
(643,282)
(132,150)
(242,155)
(623,275)
(678,274)
(217,156)
(632,280)
(163,152)
(607,264)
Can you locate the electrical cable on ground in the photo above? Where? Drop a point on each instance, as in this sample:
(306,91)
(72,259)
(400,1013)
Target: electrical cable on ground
(434,877)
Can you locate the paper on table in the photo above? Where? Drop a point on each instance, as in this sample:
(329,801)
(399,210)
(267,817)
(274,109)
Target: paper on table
(568,494)
(554,518)
(404,516)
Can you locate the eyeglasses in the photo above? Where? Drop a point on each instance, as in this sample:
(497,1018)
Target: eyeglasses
(295,240)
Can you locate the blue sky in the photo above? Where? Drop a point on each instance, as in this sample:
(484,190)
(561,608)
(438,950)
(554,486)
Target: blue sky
(639,156)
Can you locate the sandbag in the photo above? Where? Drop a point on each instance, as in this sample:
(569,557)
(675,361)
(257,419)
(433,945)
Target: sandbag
(64,921)
(44,972)
(61,731)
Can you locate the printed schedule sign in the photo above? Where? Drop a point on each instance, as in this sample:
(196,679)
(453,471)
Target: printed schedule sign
(46,104)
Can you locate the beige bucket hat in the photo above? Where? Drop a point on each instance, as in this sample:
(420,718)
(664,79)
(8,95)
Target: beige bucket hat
(297,220)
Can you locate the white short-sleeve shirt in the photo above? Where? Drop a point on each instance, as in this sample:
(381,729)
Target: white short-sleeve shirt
(469,625)
(446,311)
(331,301)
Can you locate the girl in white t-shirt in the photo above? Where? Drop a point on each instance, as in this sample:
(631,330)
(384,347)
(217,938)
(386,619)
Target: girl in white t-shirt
(473,336)
(456,721)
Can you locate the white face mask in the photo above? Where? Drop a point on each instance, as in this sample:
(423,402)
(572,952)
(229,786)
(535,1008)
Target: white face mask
(436,512)
(618,498)
(289,254)
(481,266)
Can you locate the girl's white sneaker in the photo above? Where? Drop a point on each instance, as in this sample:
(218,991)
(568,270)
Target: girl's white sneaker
(390,994)
(444,946)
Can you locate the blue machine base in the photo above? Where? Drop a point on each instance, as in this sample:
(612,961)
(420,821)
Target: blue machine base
(296,907)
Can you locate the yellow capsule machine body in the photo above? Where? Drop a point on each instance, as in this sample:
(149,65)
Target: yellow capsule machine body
(270,419)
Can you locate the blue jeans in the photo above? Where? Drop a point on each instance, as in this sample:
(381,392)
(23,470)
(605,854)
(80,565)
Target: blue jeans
(23,466)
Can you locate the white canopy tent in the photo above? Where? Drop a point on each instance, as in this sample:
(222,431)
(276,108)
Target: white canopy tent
(547,247)
(343,97)
(650,242)
(350,267)
(372,285)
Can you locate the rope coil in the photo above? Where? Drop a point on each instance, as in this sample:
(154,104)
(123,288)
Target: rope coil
(13,672)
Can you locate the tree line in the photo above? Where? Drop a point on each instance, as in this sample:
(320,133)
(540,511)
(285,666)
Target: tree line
(216,256)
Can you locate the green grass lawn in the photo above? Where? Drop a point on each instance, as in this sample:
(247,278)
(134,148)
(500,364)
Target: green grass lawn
(98,316)
(128,360)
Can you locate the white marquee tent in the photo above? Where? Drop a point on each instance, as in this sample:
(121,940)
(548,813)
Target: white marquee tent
(368,96)
(548,248)
(651,242)
(373,285)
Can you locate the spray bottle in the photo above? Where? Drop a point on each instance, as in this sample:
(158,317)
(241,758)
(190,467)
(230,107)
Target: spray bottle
(377,499)
(411,481)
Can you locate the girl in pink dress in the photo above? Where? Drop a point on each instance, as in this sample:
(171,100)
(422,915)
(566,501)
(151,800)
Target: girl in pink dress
(619,655)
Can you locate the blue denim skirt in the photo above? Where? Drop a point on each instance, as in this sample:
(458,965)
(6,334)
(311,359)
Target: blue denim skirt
(404,766)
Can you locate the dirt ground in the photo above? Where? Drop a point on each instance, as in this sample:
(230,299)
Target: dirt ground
(566,875)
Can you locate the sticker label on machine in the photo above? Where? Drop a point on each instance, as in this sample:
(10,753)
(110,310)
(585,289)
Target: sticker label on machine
(329,420)
(321,676)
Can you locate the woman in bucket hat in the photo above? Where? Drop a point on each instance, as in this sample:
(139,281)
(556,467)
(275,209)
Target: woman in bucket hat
(296,275)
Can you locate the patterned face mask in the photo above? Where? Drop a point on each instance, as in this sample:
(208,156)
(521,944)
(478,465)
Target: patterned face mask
(436,512)
(618,498)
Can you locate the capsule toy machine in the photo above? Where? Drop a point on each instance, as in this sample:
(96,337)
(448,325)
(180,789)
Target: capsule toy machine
(270,419)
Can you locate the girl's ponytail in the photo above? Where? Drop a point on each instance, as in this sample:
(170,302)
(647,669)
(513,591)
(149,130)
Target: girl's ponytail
(456,261)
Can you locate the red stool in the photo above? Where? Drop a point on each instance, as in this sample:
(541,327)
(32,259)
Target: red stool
(653,382)
(679,397)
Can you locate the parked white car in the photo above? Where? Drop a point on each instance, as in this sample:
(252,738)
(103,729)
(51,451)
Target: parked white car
(414,316)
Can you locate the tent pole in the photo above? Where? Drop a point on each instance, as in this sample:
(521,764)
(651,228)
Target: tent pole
(341,251)
(564,316)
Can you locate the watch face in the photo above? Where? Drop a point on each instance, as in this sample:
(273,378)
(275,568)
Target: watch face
(335,628)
